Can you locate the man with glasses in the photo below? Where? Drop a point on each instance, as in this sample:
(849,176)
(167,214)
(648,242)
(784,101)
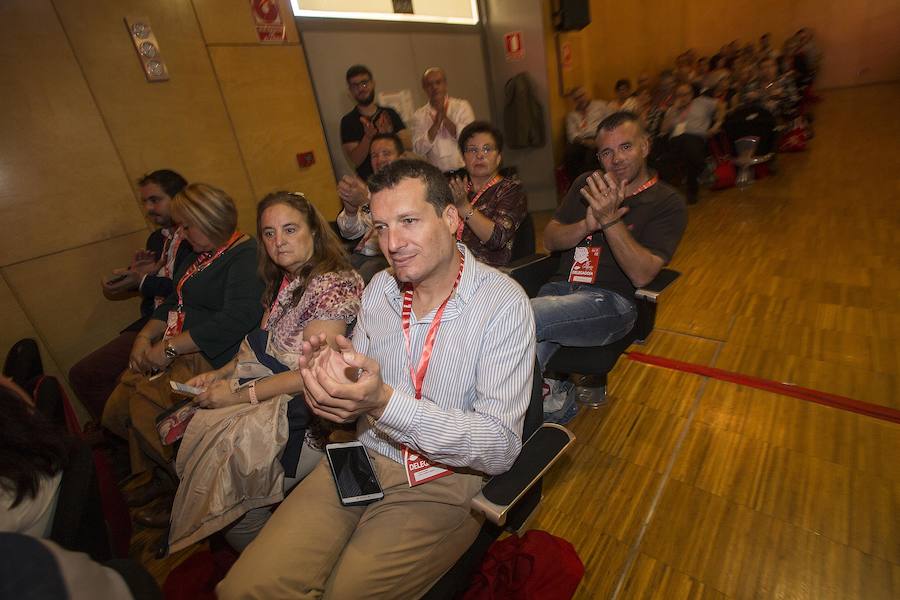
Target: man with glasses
(366,120)
(436,126)
(615,230)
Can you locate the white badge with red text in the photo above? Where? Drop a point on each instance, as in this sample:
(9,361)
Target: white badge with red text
(174,323)
(584,264)
(420,470)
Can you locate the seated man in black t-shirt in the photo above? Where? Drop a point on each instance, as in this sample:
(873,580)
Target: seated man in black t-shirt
(366,120)
(615,231)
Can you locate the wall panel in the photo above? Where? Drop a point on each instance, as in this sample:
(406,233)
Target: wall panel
(181,123)
(61,182)
(61,296)
(270,126)
(16,325)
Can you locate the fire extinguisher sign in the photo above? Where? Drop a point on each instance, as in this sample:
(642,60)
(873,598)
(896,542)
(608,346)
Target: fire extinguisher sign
(267,19)
(515,49)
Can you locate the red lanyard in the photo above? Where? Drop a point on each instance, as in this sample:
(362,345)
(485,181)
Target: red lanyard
(201,263)
(418,375)
(170,250)
(645,186)
(494,181)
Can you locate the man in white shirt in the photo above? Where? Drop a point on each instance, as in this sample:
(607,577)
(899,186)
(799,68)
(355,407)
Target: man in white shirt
(471,345)
(436,126)
(581,132)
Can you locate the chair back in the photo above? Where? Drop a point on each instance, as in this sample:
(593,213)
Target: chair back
(523,242)
(745,148)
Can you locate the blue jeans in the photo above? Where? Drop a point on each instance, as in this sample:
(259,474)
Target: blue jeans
(571,314)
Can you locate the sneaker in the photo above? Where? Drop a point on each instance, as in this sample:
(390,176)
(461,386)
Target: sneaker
(555,392)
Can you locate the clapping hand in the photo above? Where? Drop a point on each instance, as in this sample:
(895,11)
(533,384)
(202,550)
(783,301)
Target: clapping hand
(605,197)
(384,124)
(341,385)
(460,192)
(353,192)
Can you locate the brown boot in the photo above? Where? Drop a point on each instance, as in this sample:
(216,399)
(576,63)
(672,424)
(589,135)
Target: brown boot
(156,516)
(148,492)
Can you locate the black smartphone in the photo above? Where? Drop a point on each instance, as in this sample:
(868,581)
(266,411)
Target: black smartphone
(353,474)
(116,278)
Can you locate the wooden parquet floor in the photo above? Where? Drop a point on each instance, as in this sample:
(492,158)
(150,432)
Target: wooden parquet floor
(688,487)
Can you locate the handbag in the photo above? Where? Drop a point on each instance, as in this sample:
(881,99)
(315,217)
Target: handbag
(536,566)
(724,173)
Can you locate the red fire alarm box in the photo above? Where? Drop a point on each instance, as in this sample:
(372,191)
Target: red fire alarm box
(306,159)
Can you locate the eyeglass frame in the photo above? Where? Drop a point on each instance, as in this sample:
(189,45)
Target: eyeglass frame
(486,149)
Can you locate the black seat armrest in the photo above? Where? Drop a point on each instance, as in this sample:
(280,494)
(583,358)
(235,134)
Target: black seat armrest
(531,272)
(538,454)
(652,290)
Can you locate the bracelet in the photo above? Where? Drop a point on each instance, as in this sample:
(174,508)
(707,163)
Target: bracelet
(468,215)
(604,227)
(252,391)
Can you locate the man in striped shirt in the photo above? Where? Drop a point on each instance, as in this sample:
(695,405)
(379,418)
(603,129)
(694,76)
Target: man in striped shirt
(462,408)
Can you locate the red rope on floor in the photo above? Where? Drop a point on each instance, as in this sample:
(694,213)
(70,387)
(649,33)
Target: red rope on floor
(877,411)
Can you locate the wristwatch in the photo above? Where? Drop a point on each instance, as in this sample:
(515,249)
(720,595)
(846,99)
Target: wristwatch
(170,350)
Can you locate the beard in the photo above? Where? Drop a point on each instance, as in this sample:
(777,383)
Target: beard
(368,100)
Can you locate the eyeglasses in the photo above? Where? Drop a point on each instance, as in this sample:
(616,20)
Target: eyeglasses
(486,149)
(361,85)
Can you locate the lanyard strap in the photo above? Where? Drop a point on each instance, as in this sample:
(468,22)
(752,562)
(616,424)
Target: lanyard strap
(418,375)
(494,181)
(201,263)
(645,186)
(170,251)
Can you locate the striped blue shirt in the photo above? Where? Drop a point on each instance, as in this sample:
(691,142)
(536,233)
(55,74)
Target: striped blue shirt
(478,383)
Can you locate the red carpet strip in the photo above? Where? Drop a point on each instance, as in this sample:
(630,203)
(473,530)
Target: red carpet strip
(877,411)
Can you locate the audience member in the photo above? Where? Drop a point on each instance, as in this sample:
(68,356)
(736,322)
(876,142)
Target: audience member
(684,68)
(745,84)
(581,127)
(778,92)
(462,420)
(367,119)
(94,377)
(765,49)
(33,454)
(437,124)
(688,124)
(232,460)
(623,99)
(353,221)
(199,327)
(616,231)
(39,569)
(491,207)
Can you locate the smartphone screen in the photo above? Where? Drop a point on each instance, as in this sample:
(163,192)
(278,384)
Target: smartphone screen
(353,473)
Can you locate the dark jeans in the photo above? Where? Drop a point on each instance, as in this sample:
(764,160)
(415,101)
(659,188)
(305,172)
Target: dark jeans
(690,150)
(94,377)
(567,314)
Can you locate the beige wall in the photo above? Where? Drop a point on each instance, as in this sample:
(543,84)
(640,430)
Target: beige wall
(860,41)
(80,124)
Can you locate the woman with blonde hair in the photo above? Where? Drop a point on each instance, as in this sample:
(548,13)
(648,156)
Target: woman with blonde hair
(257,438)
(215,303)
